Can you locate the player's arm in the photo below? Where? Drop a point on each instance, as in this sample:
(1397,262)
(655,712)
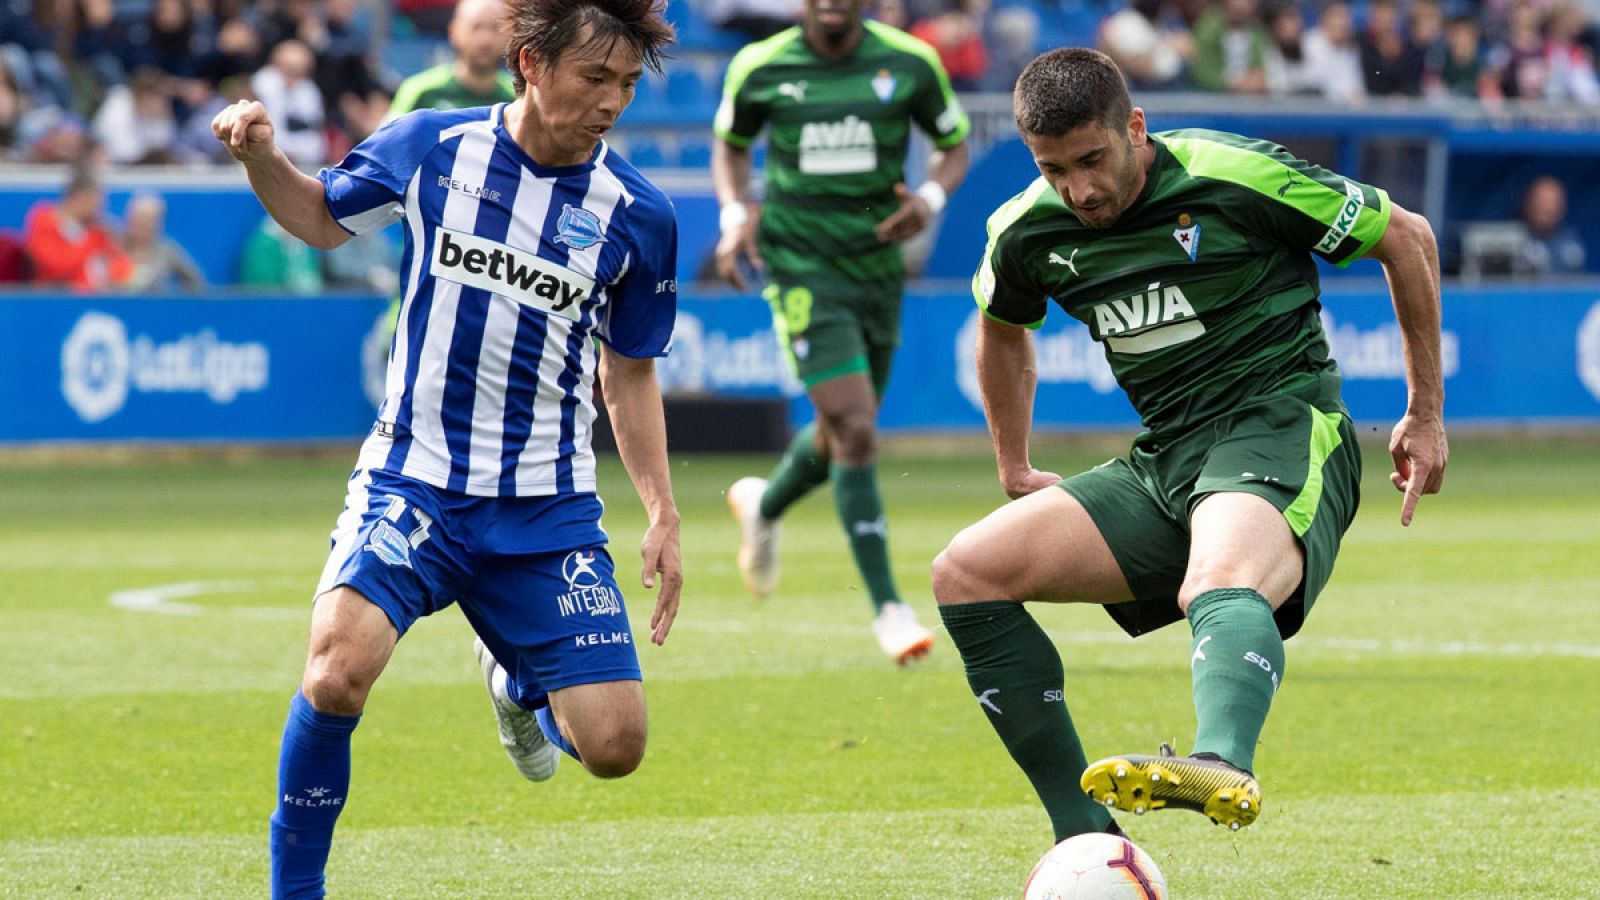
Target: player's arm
(633,399)
(730,178)
(1007,377)
(1418,445)
(946,170)
(293,198)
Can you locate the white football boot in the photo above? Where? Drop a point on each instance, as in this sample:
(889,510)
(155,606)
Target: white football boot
(758,537)
(530,751)
(900,634)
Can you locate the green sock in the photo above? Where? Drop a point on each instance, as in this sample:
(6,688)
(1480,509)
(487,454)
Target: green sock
(801,469)
(855,495)
(1015,672)
(1237,661)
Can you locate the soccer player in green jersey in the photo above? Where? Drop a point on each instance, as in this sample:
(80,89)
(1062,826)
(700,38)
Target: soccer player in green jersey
(475,77)
(838,96)
(1188,254)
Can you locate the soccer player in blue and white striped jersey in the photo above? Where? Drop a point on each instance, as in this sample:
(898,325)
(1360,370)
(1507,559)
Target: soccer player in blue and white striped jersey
(526,238)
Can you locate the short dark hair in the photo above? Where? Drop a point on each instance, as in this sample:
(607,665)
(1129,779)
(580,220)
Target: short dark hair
(549,28)
(1070,87)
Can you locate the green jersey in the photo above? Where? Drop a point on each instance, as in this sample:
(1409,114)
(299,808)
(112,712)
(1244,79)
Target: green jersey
(438,88)
(1204,292)
(836,145)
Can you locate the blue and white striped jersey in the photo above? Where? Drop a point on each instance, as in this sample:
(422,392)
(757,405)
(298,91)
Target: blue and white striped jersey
(510,268)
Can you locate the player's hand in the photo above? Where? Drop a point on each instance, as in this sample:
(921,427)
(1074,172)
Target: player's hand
(1420,450)
(738,245)
(661,557)
(246,130)
(907,221)
(1025,481)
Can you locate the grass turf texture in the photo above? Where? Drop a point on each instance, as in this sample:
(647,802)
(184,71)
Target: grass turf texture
(1429,740)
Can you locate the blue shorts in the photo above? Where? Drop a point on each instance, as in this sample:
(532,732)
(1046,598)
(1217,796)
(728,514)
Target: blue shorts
(531,574)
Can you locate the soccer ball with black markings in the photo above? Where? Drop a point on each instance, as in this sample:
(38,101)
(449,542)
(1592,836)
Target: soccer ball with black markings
(1095,867)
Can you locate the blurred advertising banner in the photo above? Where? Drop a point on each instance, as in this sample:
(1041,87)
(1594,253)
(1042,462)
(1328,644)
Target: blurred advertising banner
(164,369)
(270,369)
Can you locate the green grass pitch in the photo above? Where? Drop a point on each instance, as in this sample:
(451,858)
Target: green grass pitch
(1430,740)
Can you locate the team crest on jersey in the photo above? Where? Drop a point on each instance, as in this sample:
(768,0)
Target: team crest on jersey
(578,228)
(1188,236)
(883,85)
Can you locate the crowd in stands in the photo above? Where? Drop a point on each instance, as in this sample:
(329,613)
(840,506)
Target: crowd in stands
(138,81)
(128,82)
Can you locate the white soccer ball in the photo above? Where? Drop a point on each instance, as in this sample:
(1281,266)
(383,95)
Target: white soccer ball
(1095,867)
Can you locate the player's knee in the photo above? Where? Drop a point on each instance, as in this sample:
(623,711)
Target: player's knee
(334,688)
(954,575)
(614,753)
(853,439)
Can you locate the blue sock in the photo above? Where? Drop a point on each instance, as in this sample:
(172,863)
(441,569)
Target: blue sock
(547,724)
(313,777)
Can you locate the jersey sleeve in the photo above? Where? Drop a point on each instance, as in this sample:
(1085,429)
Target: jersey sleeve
(935,107)
(1001,285)
(740,116)
(1292,202)
(638,320)
(366,190)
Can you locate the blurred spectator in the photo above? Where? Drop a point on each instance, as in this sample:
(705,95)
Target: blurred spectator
(369,262)
(1571,67)
(475,77)
(1392,65)
(956,33)
(1519,60)
(1426,31)
(164,40)
(754,19)
(159,262)
(1230,46)
(274,258)
(51,136)
(69,245)
(135,122)
(238,52)
(1553,246)
(891,13)
(339,32)
(1150,49)
(1289,70)
(1013,36)
(285,88)
(1458,69)
(427,16)
(12,105)
(1331,49)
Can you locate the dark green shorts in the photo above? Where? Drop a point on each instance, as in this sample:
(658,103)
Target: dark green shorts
(827,332)
(1302,460)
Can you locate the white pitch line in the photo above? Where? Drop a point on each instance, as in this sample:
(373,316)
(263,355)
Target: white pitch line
(163,599)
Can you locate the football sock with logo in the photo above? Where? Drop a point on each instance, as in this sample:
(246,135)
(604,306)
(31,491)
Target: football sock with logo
(313,778)
(800,471)
(552,731)
(855,495)
(1236,662)
(1015,672)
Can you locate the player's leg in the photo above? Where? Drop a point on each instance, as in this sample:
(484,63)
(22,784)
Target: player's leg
(1042,547)
(549,623)
(1272,500)
(390,559)
(351,640)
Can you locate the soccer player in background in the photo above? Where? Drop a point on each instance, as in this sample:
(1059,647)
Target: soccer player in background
(474,78)
(526,237)
(838,96)
(1188,254)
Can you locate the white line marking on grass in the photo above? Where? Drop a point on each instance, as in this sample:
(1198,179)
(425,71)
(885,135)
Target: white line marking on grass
(1361,646)
(163,599)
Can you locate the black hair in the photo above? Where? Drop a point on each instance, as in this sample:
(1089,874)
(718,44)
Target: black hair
(1070,87)
(549,28)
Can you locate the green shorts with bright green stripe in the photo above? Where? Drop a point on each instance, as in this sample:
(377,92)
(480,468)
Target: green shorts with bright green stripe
(1302,460)
(828,331)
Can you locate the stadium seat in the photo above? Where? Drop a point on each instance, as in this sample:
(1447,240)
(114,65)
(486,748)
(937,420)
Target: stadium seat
(694,153)
(644,152)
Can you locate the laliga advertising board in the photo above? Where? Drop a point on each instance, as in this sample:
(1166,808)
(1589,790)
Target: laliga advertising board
(151,368)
